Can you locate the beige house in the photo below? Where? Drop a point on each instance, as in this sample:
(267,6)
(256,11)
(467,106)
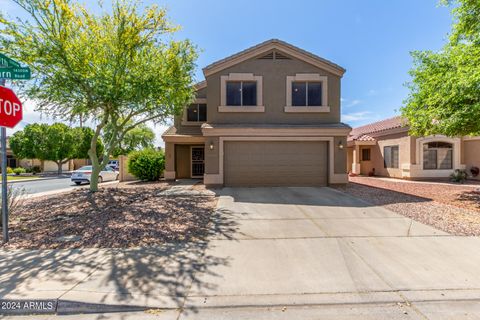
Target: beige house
(386,149)
(266,116)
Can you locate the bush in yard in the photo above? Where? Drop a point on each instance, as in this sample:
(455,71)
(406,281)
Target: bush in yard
(459,175)
(19,171)
(147,164)
(9,170)
(14,200)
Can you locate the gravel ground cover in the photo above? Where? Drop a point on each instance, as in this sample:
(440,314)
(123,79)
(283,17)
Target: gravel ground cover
(452,208)
(127,215)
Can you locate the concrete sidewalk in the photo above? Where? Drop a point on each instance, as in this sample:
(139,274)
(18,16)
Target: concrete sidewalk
(273,253)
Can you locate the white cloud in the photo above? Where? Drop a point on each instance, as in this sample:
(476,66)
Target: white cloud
(372,92)
(353,103)
(357,116)
(347,103)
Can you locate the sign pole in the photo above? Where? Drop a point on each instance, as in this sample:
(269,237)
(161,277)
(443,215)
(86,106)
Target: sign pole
(11,114)
(3,138)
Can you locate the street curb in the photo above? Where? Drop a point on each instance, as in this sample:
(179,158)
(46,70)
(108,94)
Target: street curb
(52,192)
(65,307)
(36,179)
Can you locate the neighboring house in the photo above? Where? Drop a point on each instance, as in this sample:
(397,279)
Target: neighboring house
(12,161)
(386,148)
(266,116)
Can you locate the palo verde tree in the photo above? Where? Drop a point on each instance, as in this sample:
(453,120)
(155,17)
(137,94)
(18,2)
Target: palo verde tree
(445,87)
(140,137)
(118,68)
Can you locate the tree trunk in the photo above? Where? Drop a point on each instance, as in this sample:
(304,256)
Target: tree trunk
(59,167)
(94,178)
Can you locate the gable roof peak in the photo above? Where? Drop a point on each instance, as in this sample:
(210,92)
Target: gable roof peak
(269,45)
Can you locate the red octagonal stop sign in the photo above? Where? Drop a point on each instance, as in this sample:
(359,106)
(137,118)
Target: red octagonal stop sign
(10,108)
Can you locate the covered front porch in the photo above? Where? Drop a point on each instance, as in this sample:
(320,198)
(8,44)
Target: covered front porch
(359,156)
(184,157)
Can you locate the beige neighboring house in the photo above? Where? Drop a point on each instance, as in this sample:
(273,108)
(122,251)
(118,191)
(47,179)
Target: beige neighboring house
(266,116)
(386,148)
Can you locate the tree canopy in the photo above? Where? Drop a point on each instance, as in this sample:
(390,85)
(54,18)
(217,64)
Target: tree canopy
(445,88)
(140,137)
(57,142)
(121,67)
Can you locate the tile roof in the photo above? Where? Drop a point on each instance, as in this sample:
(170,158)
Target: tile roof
(364,133)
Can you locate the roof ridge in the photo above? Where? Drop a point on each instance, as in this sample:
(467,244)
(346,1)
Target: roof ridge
(379,126)
(266,42)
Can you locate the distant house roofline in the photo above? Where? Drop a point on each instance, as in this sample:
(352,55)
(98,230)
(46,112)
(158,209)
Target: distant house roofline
(369,131)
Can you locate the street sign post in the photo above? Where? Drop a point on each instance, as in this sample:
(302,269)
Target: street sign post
(11,114)
(7,62)
(15,73)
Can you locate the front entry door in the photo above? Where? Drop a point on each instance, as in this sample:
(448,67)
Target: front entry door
(198,162)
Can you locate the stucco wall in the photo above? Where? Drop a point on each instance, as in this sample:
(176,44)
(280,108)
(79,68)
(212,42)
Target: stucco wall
(274,73)
(471,154)
(169,156)
(124,175)
(212,156)
(340,155)
(349,159)
(366,166)
(405,146)
(48,166)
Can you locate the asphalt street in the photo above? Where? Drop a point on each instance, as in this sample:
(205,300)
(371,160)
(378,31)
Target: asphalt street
(32,187)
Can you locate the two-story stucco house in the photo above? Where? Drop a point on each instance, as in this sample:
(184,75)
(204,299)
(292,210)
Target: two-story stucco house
(266,116)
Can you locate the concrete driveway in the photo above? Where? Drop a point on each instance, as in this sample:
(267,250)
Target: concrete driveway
(273,253)
(317,247)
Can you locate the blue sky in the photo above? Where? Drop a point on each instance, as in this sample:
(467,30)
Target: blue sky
(371,39)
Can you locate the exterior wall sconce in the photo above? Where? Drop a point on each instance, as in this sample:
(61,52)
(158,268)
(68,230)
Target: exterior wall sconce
(340,145)
(211,145)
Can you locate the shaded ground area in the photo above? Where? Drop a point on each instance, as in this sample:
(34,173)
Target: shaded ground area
(270,253)
(453,208)
(127,215)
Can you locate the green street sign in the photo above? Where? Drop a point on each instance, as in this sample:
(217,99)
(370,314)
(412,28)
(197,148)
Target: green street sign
(15,73)
(7,62)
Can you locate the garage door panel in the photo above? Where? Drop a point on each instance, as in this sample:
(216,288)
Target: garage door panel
(275,163)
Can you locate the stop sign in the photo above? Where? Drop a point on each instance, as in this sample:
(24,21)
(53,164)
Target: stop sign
(10,108)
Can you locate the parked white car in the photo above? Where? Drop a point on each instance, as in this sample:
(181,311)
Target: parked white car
(85,173)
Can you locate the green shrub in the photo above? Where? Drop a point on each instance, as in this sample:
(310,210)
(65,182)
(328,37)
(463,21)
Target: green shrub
(147,164)
(19,170)
(458,175)
(36,169)
(9,170)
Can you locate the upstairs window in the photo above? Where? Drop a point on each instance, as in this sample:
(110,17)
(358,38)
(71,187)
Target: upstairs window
(390,156)
(437,155)
(241,93)
(306,93)
(197,112)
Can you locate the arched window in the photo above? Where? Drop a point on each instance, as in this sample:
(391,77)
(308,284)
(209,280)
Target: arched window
(437,155)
